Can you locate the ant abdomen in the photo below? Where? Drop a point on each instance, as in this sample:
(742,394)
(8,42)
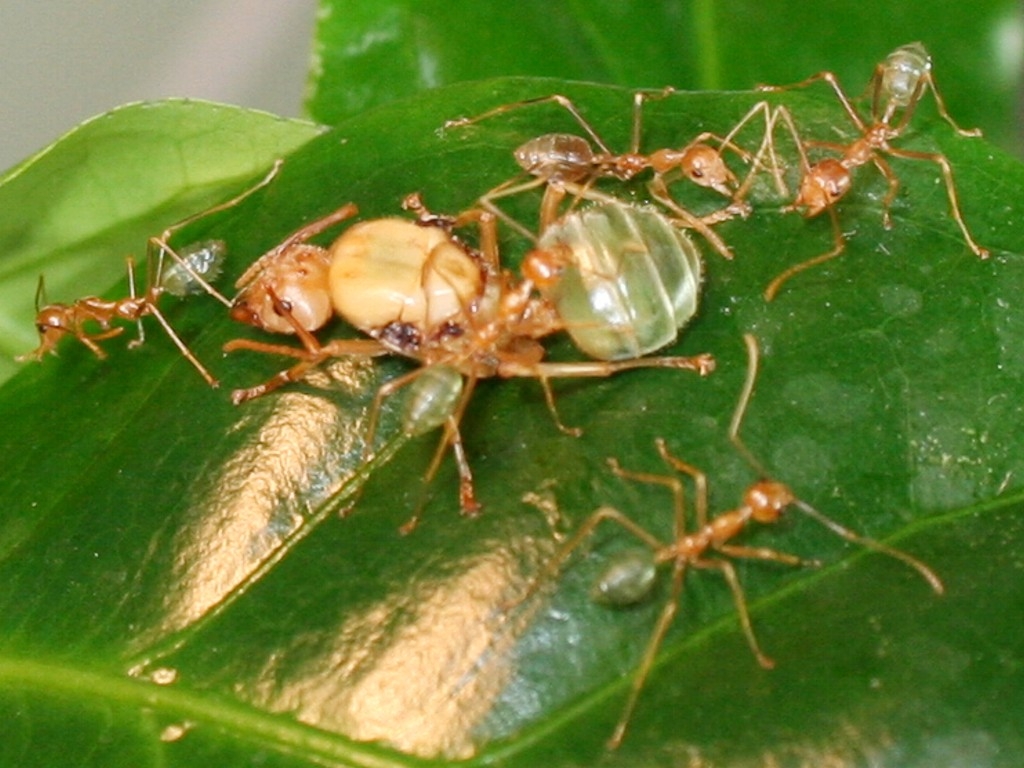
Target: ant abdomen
(630,279)
(627,580)
(902,74)
(204,259)
(433,397)
(556,156)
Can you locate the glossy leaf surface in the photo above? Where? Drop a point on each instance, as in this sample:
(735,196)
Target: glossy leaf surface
(179,590)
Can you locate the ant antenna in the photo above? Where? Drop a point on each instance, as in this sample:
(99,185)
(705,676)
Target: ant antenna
(40,293)
(734,435)
(753,356)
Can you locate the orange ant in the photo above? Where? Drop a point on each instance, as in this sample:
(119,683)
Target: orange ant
(192,271)
(627,582)
(54,321)
(897,86)
(557,159)
(419,291)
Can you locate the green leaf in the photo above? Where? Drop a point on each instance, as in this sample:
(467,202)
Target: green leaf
(370,52)
(179,590)
(75,209)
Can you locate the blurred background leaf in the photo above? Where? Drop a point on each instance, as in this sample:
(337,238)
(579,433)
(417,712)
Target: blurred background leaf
(150,528)
(368,53)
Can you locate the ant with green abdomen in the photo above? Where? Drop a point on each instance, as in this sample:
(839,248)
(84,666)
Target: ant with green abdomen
(708,545)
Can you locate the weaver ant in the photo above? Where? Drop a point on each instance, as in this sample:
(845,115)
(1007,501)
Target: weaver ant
(191,272)
(897,86)
(419,291)
(556,159)
(627,581)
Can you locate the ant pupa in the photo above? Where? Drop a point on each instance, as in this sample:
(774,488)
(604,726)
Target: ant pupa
(555,159)
(191,272)
(419,291)
(707,546)
(897,87)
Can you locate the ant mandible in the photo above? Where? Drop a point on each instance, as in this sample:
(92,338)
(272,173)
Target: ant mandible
(419,291)
(192,272)
(897,87)
(625,583)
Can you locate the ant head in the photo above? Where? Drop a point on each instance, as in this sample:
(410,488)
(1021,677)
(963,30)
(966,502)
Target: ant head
(823,185)
(51,326)
(543,267)
(299,281)
(767,499)
(704,166)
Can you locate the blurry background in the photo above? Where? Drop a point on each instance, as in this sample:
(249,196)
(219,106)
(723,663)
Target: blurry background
(64,60)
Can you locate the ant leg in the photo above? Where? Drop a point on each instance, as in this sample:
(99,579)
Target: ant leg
(487,228)
(300,236)
(132,293)
(507,189)
(185,351)
(833,82)
(549,398)
(162,243)
(149,307)
(639,97)
(894,187)
(274,170)
(840,244)
(582,533)
(728,572)
(665,619)
(701,364)
(954,203)
(307,360)
(562,101)
(768,146)
(90,339)
(941,106)
(310,355)
(764,553)
(700,484)
(674,485)
(659,191)
(468,505)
